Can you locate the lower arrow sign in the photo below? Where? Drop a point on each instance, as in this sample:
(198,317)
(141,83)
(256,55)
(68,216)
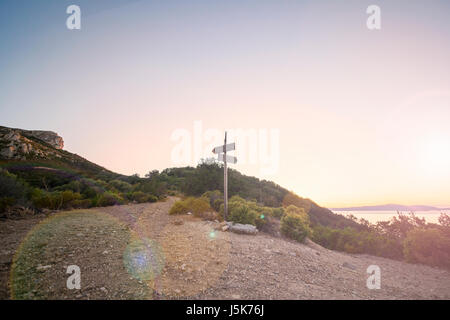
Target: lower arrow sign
(230,159)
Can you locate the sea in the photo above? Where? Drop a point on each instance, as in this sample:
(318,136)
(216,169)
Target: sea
(376,216)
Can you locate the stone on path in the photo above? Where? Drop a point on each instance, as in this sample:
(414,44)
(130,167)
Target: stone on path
(242,228)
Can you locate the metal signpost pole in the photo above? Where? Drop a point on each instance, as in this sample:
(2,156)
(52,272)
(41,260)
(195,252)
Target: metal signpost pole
(221,152)
(225,180)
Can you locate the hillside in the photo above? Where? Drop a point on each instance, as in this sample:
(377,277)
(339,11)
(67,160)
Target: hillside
(391,207)
(37,158)
(38,177)
(190,261)
(28,149)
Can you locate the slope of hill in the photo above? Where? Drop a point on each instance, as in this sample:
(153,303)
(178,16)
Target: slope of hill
(35,148)
(391,207)
(37,158)
(38,176)
(227,266)
(209,176)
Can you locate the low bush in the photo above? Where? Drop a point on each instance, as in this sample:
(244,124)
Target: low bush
(198,206)
(82,204)
(217,204)
(54,200)
(354,241)
(121,186)
(213,196)
(278,212)
(428,246)
(241,213)
(6,202)
(108,199)
(141,197)
(179,207)
(246,212)
(295,224)
(12,188)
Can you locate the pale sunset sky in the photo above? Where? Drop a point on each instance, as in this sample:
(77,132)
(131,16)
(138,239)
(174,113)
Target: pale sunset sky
(363,115)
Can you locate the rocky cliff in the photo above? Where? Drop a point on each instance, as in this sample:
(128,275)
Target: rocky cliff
(50,137)
(29,147)
(19,143)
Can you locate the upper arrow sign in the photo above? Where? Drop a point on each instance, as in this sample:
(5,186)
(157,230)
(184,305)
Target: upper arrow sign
(227,147)
(230,159)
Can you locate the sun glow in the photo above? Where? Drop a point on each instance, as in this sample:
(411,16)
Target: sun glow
(435,155)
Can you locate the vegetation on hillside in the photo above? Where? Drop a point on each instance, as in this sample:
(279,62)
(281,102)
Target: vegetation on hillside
(295,223)
(40,188)
(404,237)
(69,181)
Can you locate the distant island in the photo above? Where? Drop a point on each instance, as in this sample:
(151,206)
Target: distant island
(391,207)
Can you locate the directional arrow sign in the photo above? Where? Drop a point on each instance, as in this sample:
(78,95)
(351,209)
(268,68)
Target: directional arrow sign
(227,147)
(230,159)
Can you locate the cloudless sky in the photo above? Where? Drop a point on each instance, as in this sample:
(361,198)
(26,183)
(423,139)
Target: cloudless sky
(363,115)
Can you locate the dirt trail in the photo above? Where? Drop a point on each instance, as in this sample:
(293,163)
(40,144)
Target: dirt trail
(140,252)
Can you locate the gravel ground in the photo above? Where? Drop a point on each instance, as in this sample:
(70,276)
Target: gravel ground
(140,252)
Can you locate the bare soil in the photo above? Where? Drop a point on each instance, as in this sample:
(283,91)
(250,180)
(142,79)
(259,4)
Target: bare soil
(140,252)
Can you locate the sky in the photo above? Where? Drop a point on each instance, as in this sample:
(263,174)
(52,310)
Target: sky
(342,115)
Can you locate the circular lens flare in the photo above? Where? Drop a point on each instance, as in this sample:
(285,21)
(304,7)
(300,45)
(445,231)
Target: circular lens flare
(144,259)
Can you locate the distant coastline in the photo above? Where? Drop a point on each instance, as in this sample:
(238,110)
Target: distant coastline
(391,207)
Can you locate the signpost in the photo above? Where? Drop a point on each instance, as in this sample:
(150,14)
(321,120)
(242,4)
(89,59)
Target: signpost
(230,159)
(222,156)
(224,148)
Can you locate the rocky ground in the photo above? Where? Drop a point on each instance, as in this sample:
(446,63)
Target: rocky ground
(140,252)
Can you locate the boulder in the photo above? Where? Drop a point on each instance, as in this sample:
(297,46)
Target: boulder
(242,228)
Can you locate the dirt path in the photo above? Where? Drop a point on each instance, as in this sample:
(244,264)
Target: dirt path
(140,252)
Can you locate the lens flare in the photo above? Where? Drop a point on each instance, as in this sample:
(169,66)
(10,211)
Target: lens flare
(144,259)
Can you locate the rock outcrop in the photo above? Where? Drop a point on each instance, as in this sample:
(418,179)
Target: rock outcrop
(18,143)
(50,137)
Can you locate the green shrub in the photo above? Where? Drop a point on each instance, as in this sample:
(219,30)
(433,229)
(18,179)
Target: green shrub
(138,196)
(278,212)
(68,196)
(11,187)
(246,212)
(213,196)
(354,241)
(108,199)
(141,197)
(100,183)
(6,202)
(198,206)
(217,203)
(429,246)
(46,200)
(179,207)
(295,224)
(54,200)
(241,213)
(82,203)
(121,186)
